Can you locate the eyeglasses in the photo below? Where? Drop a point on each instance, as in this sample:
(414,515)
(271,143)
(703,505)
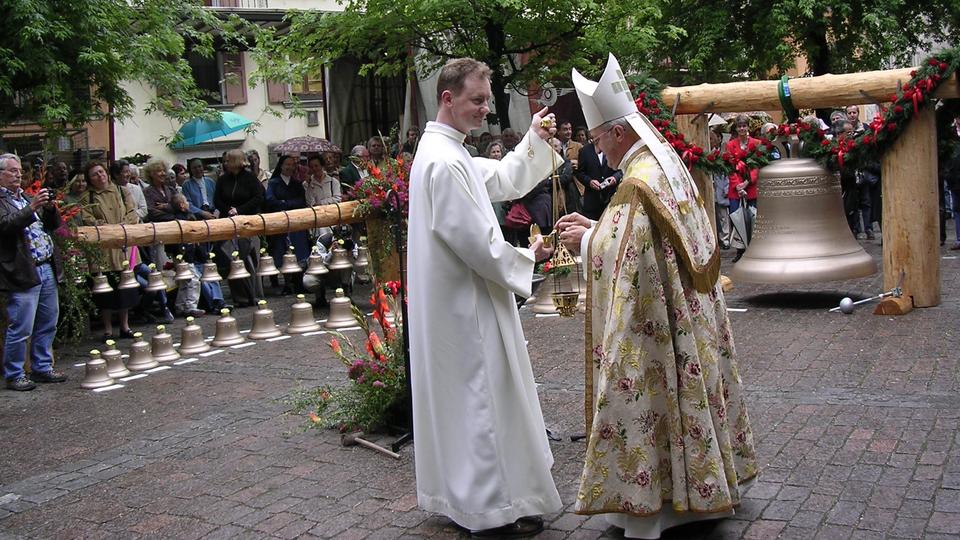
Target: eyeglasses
(597,138)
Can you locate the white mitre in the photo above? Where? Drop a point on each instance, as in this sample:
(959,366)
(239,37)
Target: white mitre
(610,99)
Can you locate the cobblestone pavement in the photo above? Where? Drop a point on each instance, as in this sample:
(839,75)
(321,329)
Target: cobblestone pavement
(855,417)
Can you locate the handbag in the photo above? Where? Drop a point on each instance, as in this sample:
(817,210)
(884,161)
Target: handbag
(518,217)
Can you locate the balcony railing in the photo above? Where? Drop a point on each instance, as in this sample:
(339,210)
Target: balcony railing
(248,4)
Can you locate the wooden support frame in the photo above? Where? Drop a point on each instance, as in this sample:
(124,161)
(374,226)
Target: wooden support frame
(178,232)
(911,224)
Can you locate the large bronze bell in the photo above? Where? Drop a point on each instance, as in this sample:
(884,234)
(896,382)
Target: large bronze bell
(127,279)
(210,272)
(227,332)
(266,267)
(191,339)
(96,375)
(140,357)
(341,311)
(263,325)
(301,317)
(184,270)
(112,357)
(237,269)
(161,346)
(340,260)
(101,285)
(800,234)
(290,264)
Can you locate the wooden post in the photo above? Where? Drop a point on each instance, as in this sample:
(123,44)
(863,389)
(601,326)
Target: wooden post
(911,226)
(696,131)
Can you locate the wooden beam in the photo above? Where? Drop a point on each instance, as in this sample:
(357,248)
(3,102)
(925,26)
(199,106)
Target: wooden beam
(911,225)
(806,92)
(178,232)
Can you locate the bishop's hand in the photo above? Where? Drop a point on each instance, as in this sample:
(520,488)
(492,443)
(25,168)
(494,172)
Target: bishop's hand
(572,227)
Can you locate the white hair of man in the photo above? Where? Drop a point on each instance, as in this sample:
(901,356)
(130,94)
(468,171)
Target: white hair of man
(357,150)
(5,157)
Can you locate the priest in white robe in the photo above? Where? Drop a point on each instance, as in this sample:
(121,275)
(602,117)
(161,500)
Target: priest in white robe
(482,455)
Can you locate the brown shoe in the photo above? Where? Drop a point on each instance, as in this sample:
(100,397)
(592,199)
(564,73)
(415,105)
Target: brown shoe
(52,376)
(20,384)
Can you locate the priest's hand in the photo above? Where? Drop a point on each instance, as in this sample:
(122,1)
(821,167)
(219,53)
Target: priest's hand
(540,252)
(543,124)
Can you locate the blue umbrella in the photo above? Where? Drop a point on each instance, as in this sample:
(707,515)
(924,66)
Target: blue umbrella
(199,130)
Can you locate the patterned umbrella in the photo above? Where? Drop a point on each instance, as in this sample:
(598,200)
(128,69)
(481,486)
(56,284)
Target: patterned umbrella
(306,145)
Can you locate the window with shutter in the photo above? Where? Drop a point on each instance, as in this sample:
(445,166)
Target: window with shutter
(234,78)
(277,92)
(310,89)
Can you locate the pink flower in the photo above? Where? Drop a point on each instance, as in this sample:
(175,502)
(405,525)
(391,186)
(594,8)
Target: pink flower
(378,384)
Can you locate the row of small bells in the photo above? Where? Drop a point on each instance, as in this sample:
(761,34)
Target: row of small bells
(103,368)
(340,260)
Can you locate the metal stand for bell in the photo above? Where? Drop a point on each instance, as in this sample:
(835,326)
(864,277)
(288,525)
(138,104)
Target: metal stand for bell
(407,434)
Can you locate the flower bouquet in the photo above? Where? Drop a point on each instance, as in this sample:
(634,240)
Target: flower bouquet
(384,196)
(375,392)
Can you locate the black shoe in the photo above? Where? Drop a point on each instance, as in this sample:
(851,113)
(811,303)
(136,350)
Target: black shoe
(166,317)
(126,334)
(523,527)
(52,376)
(20,384)
(739,254)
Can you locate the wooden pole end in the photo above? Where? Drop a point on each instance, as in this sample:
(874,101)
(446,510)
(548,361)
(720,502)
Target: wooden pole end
(894,306)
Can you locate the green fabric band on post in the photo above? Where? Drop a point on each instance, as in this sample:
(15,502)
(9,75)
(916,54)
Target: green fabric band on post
(783,88)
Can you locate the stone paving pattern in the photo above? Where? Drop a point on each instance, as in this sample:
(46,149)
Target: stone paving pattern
(855,418)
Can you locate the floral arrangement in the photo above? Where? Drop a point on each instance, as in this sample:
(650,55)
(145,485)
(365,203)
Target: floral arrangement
(548,268)
(376,387)
(372,190)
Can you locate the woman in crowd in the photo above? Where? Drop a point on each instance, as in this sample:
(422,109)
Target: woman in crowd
(238,192)
(253,159)
(284,192)
(743,187)
(120,175)
(106,203)
(494,150)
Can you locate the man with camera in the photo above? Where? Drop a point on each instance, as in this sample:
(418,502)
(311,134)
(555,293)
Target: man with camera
(29,272)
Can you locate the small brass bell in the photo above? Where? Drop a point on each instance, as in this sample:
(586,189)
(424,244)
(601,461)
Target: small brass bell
(161,346)
(263,325)
(101,285)
(210,272)
(227,332)
(111,356)
(140,357)
(301,317)
(127,279)
(266,267)
(237,268)
(155,280)
(184,270)
(315,265)
(363,260)
(191,339)
(290,264)
(96,374)
(340,259)
(341,311)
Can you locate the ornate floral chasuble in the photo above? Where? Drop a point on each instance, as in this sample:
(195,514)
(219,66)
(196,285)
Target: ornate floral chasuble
(665,414)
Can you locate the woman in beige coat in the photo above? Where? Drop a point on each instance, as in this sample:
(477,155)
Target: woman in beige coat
(106,203)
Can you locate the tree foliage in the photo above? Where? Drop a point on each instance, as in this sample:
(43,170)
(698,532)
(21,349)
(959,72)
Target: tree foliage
(65,61)
(520,40)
